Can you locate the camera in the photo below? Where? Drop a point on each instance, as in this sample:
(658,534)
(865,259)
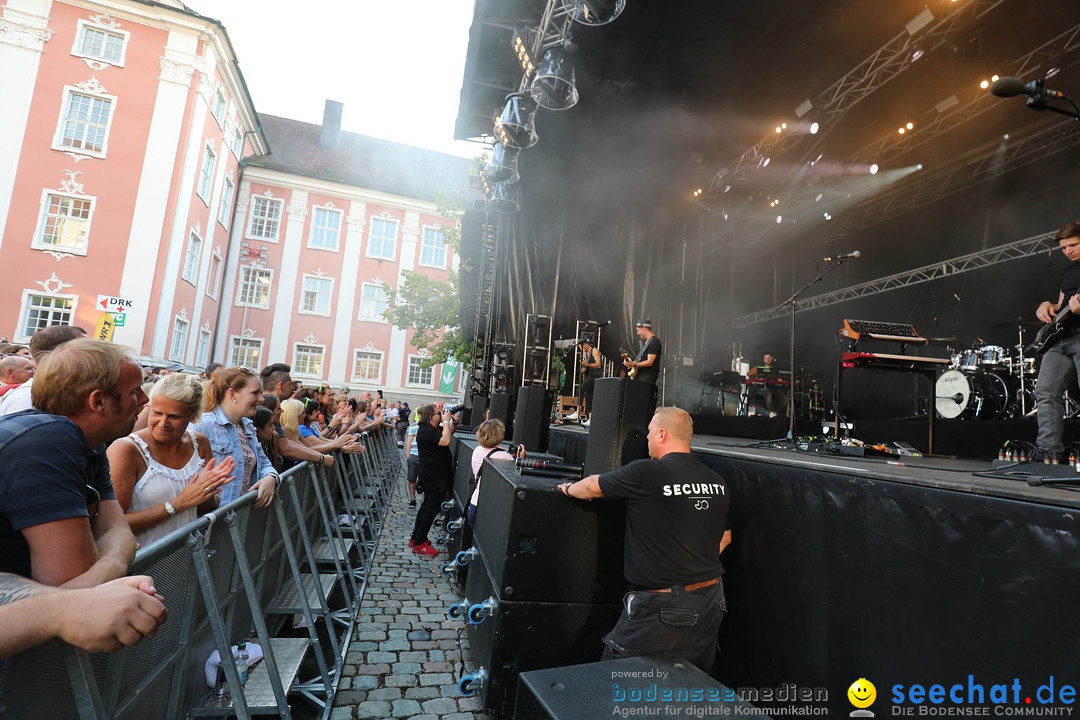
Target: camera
(454,410)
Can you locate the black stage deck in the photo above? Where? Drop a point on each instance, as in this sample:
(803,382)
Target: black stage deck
(925,572)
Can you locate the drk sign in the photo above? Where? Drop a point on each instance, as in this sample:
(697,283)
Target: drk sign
(113,304)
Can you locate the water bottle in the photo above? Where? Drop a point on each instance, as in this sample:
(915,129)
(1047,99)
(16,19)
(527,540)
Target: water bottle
(240,658)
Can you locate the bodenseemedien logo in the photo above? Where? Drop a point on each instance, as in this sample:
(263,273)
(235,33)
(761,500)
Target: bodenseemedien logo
(862,694)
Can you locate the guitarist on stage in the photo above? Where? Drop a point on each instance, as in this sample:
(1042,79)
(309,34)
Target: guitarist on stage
(647,361)
(1059,342)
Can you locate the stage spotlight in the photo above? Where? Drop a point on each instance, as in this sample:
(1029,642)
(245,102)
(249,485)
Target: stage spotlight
(828,216)
(554,87)
(910,126)
(516,126)
(874,169)
(503,166)
(506,198)
(594,12)
(779,219)
(814,127)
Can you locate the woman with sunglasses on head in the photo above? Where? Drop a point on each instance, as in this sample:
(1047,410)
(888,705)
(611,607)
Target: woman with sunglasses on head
(231,398)
(165,474)
(293,419)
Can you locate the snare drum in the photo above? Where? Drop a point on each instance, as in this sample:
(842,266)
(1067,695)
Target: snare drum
(1022,369)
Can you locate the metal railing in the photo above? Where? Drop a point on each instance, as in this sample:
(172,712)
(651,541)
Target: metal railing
(289,577)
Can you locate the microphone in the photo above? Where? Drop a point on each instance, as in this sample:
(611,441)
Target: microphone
(1010,86)
(845,256)
(604,324)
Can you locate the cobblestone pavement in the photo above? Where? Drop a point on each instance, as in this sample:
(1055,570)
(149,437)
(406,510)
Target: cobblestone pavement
(405,656)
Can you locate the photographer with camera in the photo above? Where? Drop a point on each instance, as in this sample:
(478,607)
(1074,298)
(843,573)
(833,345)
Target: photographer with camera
(433,438)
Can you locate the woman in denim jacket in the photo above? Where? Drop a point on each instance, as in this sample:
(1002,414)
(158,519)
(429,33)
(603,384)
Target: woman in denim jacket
(231,398)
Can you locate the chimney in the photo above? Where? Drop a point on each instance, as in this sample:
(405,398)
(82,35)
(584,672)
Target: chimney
(330,137)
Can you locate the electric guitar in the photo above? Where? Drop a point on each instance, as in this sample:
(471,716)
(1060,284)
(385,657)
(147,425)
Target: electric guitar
(1048,334)
(630,372)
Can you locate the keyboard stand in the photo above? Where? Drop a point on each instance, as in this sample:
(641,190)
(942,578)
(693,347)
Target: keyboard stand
(927,367)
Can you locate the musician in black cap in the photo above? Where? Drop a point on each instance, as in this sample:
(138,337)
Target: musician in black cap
(590,371)
(647,360)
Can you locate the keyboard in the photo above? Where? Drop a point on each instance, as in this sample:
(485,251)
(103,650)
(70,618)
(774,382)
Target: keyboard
(878,330)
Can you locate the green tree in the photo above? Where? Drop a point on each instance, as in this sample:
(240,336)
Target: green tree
(432,307)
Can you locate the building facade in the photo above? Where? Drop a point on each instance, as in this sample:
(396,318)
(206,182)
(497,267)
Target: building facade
(138,185)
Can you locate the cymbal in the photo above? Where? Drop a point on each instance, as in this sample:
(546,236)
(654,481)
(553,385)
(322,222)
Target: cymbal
(1019,322)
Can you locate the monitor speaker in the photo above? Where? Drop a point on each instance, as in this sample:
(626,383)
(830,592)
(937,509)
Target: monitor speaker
(532,420)
(619,423)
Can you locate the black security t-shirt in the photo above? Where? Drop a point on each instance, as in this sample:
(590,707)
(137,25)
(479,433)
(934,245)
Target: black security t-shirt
(676,514)
(436,461)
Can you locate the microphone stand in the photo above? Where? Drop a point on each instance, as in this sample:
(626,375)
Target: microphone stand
(793,301)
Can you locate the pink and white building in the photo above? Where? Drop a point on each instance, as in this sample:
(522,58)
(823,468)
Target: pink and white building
(135,174)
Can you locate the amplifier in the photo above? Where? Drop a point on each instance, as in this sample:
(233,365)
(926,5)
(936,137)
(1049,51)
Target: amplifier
(602,689)
(542,546)
(519,636)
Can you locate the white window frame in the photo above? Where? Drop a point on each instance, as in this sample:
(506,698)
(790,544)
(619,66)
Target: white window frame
(325,298)
(236,143)
(381,359)
(316,243)
(202,349)
(408,372)
(246,345)
(80,33)
(245,278)
(206,173)
(218,106)
(192,258)
(213,282)
(437,230)
(228,192)
(43,216)
(298,368)
(249,231)
(24,310)
(178,343)
(379,317)
(58,139)
(392,240)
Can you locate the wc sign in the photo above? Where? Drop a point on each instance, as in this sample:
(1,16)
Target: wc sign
(112,304)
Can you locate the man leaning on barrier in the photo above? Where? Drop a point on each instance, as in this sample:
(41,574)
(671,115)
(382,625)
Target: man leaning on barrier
(676,528)
(60,522)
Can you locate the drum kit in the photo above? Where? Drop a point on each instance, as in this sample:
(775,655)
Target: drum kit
(988,382)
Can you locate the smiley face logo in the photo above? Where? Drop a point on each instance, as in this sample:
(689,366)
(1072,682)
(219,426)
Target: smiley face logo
(862,693)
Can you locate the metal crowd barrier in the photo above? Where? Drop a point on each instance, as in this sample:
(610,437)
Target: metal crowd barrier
(289,577)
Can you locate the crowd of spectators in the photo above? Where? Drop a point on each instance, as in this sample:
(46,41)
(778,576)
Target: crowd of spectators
(102,455)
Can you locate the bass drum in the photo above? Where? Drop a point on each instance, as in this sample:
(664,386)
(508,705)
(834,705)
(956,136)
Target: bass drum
(980,395)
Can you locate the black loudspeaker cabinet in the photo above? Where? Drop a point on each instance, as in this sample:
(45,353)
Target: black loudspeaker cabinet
(619,427)
(520,636)
(599,690)
(476,412)
(501,407)
(532,420)
(545,547)
(462,539)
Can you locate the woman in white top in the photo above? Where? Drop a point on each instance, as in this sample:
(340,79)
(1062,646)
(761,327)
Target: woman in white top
(490,435)
(165,475)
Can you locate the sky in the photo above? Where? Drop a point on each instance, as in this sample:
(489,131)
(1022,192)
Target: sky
(396,65)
